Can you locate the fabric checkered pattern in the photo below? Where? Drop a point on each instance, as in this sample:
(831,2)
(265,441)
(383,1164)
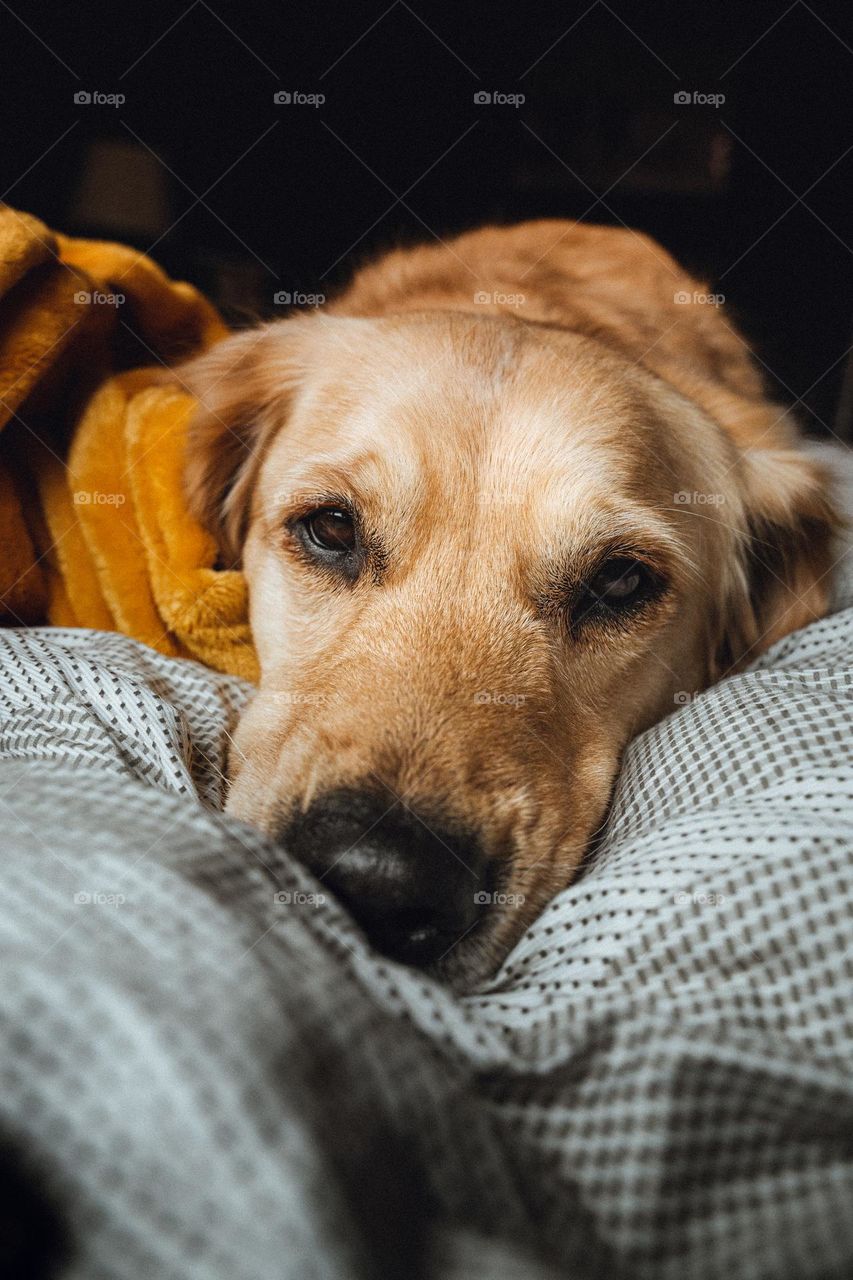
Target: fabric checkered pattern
(206,1075)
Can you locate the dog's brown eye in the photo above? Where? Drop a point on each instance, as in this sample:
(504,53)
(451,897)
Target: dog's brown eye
(617,581)
(331,529)
(620,586)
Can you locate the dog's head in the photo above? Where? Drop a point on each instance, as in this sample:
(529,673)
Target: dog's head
(481,555)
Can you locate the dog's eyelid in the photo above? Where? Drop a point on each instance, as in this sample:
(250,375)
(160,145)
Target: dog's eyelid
(286,509)
(594,562)
(298,503)
(573,598)
(656,570)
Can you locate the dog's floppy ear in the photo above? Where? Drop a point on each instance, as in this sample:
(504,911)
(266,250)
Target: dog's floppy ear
(244,386)
(783,580)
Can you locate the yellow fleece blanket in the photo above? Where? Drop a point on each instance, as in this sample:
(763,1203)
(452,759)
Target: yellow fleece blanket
(93,527)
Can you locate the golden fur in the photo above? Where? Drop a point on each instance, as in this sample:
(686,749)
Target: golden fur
(497,450)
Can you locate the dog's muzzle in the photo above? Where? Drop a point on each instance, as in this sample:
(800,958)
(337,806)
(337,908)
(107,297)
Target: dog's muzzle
(415,886)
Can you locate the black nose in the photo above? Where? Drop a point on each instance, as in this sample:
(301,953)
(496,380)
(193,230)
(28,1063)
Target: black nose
(414,886)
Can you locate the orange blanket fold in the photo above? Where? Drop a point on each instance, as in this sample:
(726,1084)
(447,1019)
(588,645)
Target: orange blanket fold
(93,527)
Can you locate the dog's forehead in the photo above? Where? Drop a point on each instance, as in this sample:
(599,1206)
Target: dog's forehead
(488,408)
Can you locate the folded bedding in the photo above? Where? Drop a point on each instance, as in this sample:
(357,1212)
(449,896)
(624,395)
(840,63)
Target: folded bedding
(208,1073)
(93,523)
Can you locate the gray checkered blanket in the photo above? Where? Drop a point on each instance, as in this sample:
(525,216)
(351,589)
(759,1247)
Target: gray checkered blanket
(207,1073)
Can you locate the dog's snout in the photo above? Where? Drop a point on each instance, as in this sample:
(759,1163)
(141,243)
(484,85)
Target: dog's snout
(416,886)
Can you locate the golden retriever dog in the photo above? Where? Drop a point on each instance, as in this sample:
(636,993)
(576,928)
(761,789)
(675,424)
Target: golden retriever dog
(505,503)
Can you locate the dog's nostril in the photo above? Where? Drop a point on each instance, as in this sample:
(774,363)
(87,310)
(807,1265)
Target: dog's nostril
(415,937)
(414,887)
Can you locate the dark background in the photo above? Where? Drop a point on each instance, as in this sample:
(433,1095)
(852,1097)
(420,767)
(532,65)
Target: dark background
(247,198)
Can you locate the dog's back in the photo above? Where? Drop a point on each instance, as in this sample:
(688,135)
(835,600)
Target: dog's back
(617,286)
